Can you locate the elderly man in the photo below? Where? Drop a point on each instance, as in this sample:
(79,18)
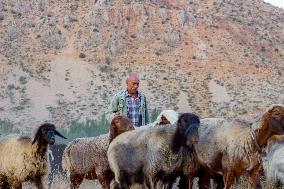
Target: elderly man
(130,103)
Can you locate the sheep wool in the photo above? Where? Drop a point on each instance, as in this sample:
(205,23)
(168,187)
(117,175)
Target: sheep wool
(154,153)
(273,164)
(82,154)
(20,160)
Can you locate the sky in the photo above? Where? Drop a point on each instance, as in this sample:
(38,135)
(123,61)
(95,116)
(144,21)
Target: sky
(278,3)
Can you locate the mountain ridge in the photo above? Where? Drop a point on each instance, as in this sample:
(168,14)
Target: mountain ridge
(64,60)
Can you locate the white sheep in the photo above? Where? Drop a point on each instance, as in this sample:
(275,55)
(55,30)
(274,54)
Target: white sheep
(165,117)
(151,154)
(23,159)
(273,164)
(273,161)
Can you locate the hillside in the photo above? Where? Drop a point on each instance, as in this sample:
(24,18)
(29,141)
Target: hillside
(64,60)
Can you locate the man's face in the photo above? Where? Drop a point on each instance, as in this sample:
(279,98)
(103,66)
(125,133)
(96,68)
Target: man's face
(132,84)
(164,121)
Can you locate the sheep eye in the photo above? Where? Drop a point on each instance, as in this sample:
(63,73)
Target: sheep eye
(194,121)
(277,113)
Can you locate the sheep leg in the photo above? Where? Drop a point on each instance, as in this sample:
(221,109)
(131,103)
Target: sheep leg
(75,181)
(122,179)
(184,182)
(114,185)
(278,184)
(229,178)
(4,184)
(105,180)
(218,181)
(50,179)
(149,182)
(17,185)
(165,179)
(204,180)
(255,177)
(39,184)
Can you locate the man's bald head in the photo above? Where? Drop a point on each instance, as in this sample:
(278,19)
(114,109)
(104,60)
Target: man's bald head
(132,83)
(132,75)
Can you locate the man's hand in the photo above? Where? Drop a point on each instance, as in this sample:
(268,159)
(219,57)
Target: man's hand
(117,114)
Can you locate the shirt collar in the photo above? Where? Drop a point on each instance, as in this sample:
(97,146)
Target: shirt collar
(128,95)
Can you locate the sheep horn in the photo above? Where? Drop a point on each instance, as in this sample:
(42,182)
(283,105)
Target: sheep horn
(59,134)
(35,139)
(37,135)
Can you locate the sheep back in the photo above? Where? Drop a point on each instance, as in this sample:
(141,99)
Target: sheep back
(227,137)
(83,154)
(147,149)
(273,163)
(17,159)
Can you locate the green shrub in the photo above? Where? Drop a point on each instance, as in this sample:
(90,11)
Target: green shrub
(23,80)
(6,127)
(154,114)
(88,128)
(104,68)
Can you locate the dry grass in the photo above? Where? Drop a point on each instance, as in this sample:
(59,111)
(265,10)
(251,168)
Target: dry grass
(60,182)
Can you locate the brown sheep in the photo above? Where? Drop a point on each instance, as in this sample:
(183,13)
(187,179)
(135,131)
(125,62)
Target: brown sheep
(86,158)
(233,147)
(25,159)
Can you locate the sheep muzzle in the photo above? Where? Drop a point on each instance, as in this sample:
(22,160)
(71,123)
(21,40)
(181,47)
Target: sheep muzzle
(278,126)
(192,134)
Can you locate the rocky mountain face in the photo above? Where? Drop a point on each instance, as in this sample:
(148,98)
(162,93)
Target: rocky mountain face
(63,60)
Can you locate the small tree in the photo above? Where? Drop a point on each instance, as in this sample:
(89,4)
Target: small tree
(154,114)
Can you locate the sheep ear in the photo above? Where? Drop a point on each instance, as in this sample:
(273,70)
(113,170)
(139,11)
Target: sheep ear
(274,123)
(59,134)
(112,131)
(36,138)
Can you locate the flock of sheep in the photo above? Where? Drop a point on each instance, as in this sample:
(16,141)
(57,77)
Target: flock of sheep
(174,149)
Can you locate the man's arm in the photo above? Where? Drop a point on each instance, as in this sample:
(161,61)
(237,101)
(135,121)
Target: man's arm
(112,109)
(147,118)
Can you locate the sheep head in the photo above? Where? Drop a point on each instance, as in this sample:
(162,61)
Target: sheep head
(273,120)
(167,117)
(46,134)
(188,124)
(187,131)
(164,121)
(119,124)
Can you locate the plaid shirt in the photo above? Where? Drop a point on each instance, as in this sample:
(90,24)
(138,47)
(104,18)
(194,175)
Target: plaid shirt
(119,104)
(133,109)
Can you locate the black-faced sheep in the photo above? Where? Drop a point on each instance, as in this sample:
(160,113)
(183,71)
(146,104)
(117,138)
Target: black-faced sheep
(233,147)
(25,159)
(155,153)
(86,158)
